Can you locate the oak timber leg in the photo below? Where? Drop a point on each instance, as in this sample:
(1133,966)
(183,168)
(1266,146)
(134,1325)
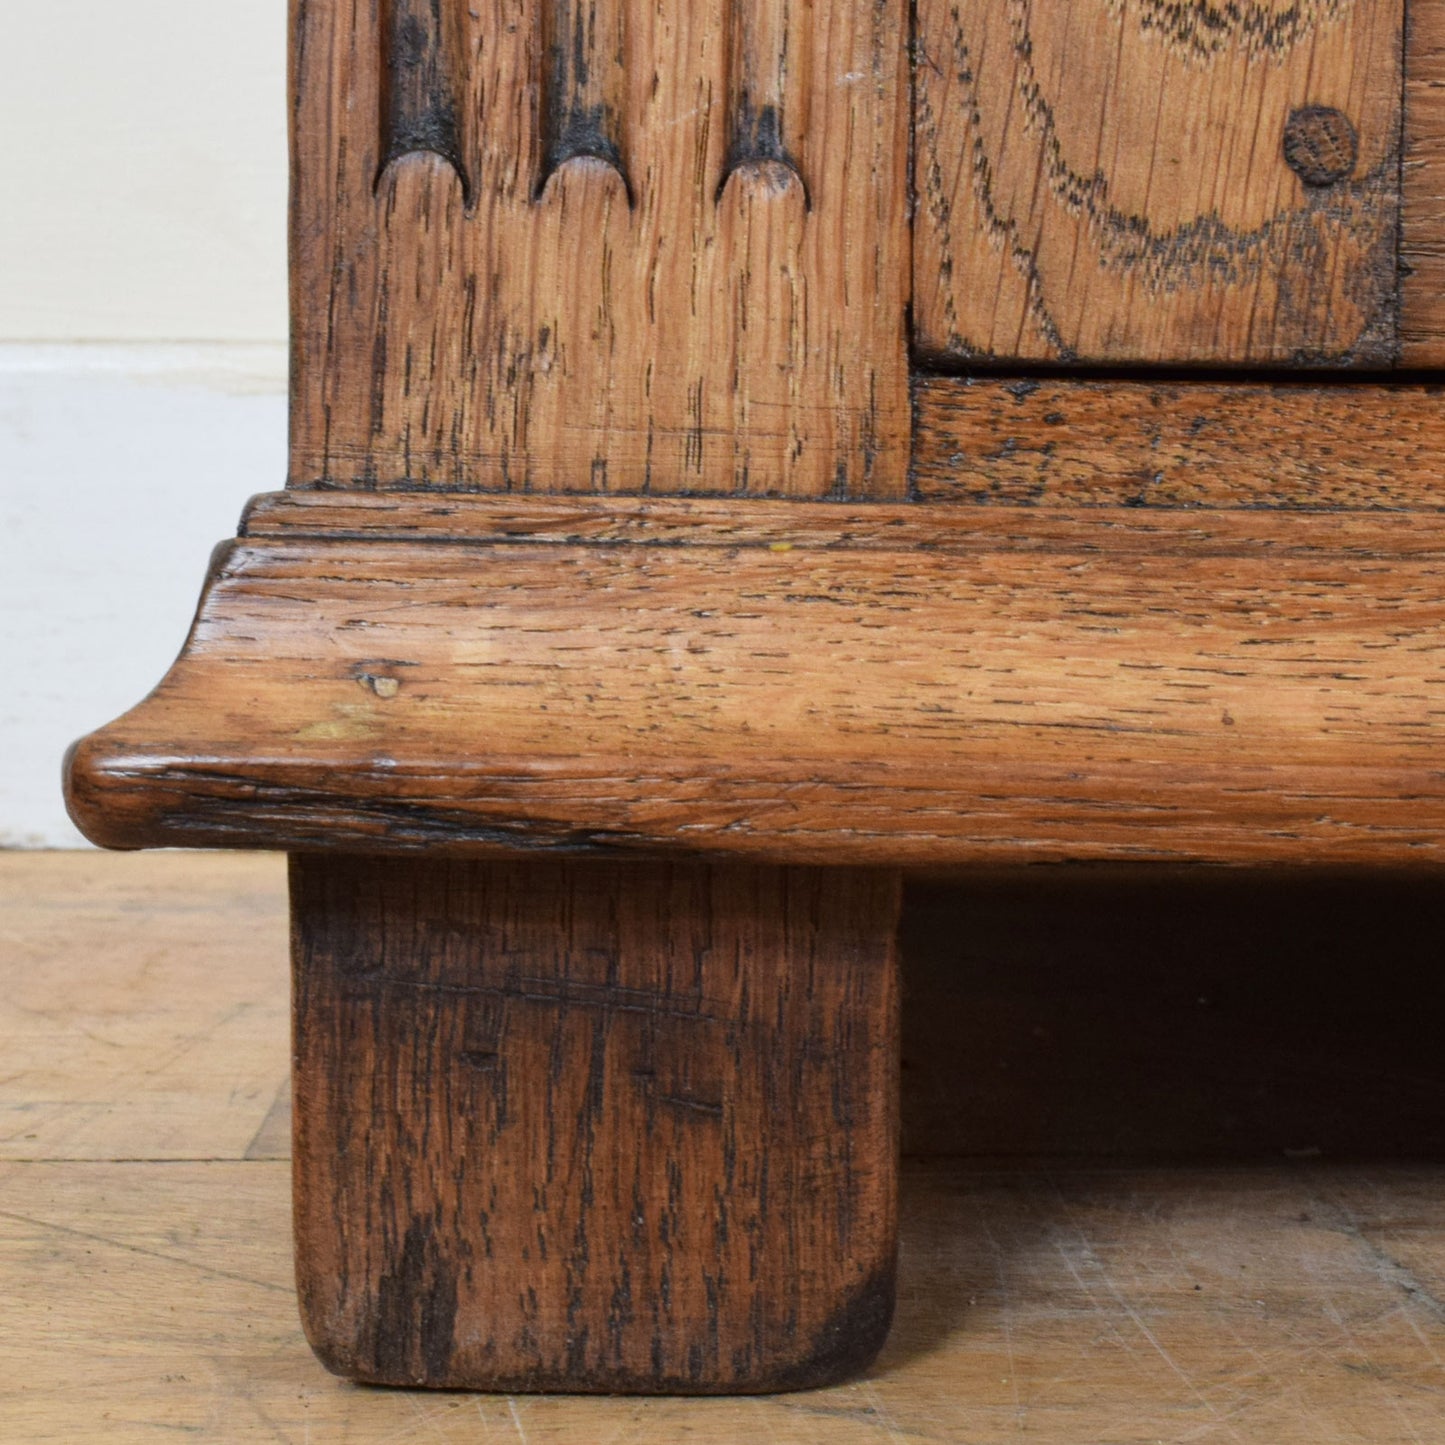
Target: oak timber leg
(594,1127)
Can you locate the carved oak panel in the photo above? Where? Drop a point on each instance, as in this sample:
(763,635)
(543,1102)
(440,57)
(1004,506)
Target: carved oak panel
(601,246)
(1126,181)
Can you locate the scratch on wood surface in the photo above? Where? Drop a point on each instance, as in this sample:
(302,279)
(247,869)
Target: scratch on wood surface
(1006,1319)
(1390,1270)
(420,1408)
(264,1416)
(1369,1373)
(1128,1308)
(272,1139)
(880,1411)
(517,1421)
(128,1248)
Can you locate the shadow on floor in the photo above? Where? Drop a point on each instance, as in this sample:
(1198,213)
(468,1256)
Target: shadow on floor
(1273,1038)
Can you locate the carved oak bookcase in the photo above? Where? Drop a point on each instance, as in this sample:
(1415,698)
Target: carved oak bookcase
(743,450)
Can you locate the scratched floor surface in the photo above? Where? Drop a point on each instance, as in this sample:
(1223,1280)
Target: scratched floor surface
(145,1289)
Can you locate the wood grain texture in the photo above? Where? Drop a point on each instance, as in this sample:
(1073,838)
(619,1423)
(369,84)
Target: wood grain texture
(1112,684)
(1039,442)
(1422,235)
(653,247)
(1057,443)
(1132,181)
(595,1128)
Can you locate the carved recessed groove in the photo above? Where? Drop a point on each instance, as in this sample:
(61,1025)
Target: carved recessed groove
(581,114)
(421,85)
(762,95)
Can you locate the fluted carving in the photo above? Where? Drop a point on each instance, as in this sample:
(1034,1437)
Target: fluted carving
(421,90)
(677,260)
(766,47)
(584,53)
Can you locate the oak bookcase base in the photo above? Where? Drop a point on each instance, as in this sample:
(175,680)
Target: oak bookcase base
(796,684)
(594,1127)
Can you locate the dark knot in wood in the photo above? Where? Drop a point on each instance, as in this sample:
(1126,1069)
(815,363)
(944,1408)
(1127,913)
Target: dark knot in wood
(1320,145)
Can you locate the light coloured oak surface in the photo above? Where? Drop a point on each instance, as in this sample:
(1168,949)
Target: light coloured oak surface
(145,1261)
(1131,181)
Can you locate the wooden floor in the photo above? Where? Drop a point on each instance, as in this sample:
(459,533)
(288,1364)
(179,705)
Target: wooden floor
(145,1287)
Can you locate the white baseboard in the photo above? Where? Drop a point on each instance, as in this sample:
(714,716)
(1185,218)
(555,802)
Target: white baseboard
(120,468)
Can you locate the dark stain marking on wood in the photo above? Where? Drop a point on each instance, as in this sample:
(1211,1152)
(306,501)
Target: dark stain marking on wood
(850,1339)
(757,144)
(421,89)
(412,1331)
(583,41)
(1320,145)
(690,1186)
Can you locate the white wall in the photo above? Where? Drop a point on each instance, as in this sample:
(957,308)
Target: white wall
(142,355)
(145,170)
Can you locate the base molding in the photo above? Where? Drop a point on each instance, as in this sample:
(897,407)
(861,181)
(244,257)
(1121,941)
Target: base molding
(799,684)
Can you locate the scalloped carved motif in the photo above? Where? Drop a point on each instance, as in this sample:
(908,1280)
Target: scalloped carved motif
(601,245)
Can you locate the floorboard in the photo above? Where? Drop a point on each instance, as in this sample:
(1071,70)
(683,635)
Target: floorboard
(1089,1299)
